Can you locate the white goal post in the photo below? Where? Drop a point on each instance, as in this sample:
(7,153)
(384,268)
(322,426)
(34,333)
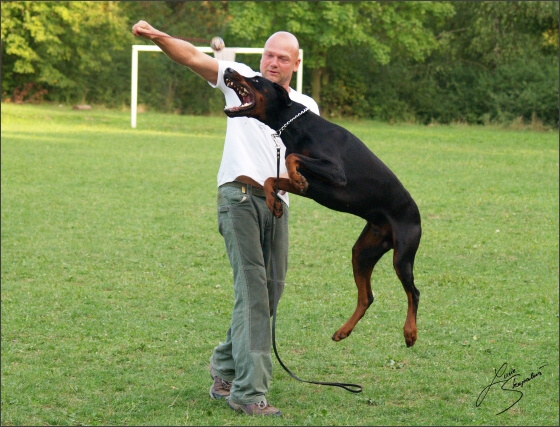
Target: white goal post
(227,53)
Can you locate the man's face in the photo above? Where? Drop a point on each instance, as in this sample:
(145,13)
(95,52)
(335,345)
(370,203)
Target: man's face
(279,61)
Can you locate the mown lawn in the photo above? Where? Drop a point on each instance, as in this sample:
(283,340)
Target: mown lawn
(116,285)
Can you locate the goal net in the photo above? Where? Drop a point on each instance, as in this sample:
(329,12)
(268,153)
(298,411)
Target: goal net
(227,54)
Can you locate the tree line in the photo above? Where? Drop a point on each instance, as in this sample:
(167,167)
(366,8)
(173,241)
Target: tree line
(424,62)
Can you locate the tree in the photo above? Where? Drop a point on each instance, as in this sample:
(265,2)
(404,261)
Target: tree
(169,87)
(492,33)
(420,61)
(60,46)
(377,27)
(498,63)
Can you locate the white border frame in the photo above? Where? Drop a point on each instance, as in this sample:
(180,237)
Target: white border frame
(151,48)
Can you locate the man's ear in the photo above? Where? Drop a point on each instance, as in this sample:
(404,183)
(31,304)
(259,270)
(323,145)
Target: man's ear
(283,95)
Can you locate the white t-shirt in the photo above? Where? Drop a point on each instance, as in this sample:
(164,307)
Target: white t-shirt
(249,148)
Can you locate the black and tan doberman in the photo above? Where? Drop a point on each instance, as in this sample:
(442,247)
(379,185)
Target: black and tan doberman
(330,165)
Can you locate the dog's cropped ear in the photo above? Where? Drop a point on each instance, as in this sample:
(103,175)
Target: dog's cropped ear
(283,95)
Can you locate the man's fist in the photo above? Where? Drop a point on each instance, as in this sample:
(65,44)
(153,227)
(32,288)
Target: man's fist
(143,29)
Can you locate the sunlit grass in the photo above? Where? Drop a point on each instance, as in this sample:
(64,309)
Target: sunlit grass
(116,285)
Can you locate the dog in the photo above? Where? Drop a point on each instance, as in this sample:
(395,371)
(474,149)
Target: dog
(330,165)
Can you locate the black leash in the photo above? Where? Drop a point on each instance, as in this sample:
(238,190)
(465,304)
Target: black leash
(353,388)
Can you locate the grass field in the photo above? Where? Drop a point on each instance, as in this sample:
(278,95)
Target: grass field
(116,286)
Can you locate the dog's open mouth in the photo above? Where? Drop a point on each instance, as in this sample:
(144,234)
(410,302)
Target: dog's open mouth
(243,93)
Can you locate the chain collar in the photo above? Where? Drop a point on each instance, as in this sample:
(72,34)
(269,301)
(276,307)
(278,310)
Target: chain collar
(279,132)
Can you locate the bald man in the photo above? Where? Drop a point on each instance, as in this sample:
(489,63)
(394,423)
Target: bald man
(241,366)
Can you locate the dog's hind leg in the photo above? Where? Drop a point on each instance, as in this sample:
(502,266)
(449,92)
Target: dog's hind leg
(372,244)
(407,241)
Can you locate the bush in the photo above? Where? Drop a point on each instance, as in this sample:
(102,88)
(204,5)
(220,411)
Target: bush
(524,89)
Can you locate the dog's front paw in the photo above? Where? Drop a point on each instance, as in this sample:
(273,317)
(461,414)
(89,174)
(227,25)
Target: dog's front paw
(273,203)
(300,183)
(277,209)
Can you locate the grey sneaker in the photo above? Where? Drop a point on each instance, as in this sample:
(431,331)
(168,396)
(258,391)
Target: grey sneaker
(260,408)
(220,388)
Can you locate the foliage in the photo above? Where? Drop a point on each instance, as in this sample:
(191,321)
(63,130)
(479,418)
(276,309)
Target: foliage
(475,62)
(475,75)
(522,89)
(162,84)
(376,27)
(494,33)
(116,285)
(67,48)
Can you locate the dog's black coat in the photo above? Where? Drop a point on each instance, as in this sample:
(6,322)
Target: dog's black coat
(330,165)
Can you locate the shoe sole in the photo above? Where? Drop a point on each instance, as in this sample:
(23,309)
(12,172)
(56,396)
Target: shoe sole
(216,397)
(234,406)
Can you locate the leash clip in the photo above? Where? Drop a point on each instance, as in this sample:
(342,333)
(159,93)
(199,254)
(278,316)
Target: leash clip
(276,137)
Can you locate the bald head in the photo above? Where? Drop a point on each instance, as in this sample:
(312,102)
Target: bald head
(288,40)
(280,58)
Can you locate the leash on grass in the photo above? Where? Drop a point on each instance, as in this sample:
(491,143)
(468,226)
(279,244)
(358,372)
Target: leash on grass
(353,388)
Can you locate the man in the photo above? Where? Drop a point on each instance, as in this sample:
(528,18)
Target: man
(241,367)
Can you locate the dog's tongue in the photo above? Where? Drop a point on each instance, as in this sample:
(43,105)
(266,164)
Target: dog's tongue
(247,100)
(238,107)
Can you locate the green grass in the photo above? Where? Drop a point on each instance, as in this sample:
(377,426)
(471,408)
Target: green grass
(116,286)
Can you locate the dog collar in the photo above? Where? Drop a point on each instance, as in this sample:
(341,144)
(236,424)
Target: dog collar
(279,132)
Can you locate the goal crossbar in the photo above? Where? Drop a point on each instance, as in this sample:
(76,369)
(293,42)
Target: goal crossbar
(151,48)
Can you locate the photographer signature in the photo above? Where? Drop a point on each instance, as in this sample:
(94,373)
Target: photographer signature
(509,380)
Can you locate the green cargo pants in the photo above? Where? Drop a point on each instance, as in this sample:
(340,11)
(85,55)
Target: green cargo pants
(247,226)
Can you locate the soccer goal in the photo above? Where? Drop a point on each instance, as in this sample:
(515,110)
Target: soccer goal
(227,54)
